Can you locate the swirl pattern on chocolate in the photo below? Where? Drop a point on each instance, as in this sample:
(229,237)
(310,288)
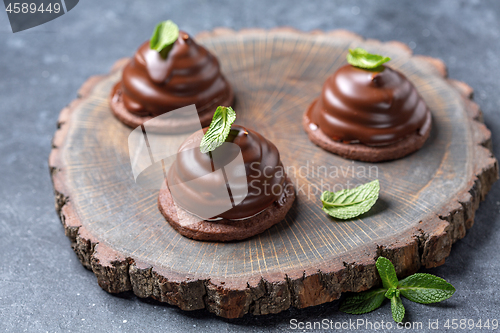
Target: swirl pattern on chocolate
(372,107)
(264,179)
(151,85)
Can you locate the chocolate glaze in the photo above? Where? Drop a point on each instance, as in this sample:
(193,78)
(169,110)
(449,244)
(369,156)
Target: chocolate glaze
(373,107)
(151,85)
(264,172)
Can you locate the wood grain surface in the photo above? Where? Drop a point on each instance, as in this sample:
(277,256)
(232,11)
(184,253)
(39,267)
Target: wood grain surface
(427,199)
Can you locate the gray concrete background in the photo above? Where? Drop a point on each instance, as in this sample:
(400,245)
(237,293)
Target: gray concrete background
(44,288)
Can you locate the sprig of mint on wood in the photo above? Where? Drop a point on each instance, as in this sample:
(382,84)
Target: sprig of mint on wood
(349,203)
(219,129)
(420,287)
(361,58)
(164,37)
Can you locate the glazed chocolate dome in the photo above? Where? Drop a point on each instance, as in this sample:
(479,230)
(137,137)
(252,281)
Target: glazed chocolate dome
(372,107)
(262,174)
(152,86)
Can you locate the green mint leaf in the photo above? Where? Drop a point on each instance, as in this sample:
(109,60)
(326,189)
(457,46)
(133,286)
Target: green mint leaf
(363,302)
(425,288)
(397,308)
(164,37)
(219,129)
(361,58)
(387,273)
(392,292)
(349,203)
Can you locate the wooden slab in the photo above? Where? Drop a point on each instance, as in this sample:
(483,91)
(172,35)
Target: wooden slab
(427,199)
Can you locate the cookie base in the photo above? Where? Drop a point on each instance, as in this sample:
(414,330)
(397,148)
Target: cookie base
(361,152)
(224,230)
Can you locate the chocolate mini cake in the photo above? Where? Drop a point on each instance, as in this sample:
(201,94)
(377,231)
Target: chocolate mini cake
(155,83)
(370,115)
(260,191)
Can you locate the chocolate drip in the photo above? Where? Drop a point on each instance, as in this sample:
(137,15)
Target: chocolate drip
(190,74)
(265,177)
(373,107)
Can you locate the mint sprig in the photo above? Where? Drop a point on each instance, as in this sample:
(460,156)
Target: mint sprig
(164,37)
(349,203)
(420,287)
(361,58)
(219,129)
